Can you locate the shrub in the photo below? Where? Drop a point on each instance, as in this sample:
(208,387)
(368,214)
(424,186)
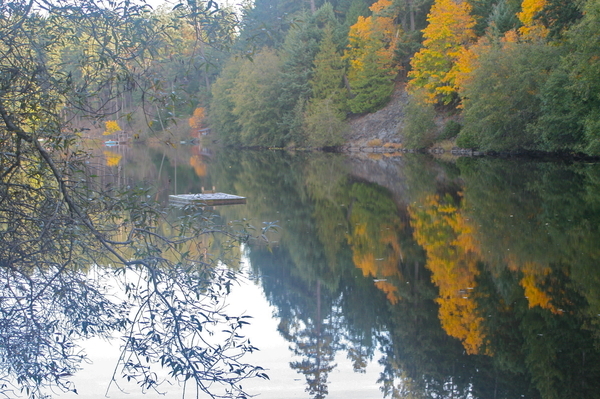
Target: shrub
(451,130)
(420,129)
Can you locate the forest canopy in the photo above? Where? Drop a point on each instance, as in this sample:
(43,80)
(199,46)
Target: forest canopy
(512,74)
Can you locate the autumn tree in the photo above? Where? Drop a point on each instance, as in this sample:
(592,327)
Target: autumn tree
(370,53)
(297,54)
(450,29)
(531,28)
(111,128)
(196,121)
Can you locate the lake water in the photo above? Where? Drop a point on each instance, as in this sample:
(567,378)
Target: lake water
(398,276)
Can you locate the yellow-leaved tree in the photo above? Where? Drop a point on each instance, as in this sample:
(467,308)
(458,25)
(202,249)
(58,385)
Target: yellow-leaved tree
(532,29)
(434,68)
(112,158)
(111,127)
(372,43)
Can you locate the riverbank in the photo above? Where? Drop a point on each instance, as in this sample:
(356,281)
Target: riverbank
(381,133)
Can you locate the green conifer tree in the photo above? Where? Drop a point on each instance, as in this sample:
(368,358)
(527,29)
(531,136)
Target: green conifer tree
(372,84)
(297,54)
(328,77)
(323,121)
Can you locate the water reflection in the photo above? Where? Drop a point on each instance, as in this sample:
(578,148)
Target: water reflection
(474,279)
(471,279)
(85,263)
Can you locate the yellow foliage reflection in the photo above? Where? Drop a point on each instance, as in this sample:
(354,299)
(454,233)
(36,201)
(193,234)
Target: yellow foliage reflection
(375,242)
(452,256)
(112,158)
(534,276)
(377,256)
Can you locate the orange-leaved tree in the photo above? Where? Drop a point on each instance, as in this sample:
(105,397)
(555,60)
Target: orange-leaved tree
(539,283)
(434,68)
(196,122)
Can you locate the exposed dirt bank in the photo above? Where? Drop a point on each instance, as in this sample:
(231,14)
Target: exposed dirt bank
(379,128)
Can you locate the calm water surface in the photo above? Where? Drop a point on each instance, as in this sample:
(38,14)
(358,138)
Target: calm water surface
(404,277)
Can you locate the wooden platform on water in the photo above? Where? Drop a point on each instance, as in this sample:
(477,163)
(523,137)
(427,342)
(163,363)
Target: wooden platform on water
(209,199)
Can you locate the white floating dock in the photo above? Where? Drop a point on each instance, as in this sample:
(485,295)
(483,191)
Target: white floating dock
(206,199)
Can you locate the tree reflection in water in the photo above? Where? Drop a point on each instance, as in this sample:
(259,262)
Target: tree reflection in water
(314,338)
(493,290)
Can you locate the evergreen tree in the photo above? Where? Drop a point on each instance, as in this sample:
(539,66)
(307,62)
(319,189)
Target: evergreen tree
(266,22)
(502,101)
(560,126)
(419,128)
(372,85)
(297,54)
(481,10)
(323,121)
(503,17)
(583,64)
(328,76)
(357,8)
(557,16)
